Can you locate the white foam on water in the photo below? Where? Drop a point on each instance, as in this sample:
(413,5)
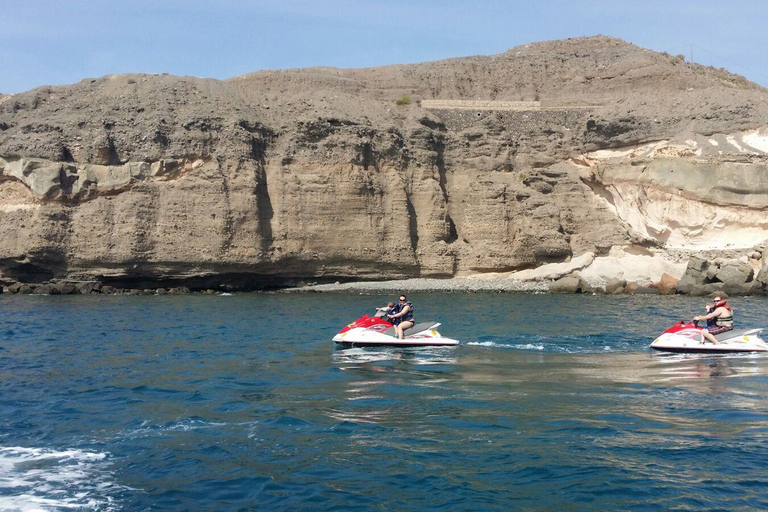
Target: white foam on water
(42,479)
(183,425)
(486,344)
(526,346)
(530,346)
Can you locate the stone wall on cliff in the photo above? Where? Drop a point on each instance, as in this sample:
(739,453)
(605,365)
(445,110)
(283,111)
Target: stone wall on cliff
(316,173)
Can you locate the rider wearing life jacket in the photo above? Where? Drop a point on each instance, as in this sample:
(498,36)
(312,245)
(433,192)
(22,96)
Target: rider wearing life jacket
(389,309)
(403,316)
(711,322)
(723,316)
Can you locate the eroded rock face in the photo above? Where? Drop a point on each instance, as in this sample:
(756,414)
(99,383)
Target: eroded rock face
(278,176)
(687,195)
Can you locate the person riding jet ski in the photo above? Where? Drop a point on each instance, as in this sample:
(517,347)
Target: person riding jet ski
(389,309)
(403,316)
(710,308)
(723,316)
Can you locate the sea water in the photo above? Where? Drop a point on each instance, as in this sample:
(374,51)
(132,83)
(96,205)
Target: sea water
(242,402)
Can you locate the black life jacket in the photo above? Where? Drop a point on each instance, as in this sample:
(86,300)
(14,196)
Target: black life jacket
(409,315)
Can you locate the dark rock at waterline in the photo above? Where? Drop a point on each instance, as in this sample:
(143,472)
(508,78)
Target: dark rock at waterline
(88,288)
(703,277)
(64,289)
(568,284)
(44,289)
(735,274)
(615,286)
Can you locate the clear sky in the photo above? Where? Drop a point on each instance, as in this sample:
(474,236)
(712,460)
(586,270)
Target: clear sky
(63,41)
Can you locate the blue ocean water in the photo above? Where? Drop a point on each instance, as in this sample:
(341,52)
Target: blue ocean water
(242,402)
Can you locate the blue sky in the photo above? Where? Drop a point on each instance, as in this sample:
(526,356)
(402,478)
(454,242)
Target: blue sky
(63,41)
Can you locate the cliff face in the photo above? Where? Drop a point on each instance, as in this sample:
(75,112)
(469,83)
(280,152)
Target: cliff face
(317,173)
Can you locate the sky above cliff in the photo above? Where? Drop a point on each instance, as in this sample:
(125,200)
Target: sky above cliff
(51,42)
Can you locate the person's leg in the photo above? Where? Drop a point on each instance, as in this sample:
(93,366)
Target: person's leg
(706,334)
(402,327)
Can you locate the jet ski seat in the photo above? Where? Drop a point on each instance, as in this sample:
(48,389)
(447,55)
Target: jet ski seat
(736,333)
(423,326)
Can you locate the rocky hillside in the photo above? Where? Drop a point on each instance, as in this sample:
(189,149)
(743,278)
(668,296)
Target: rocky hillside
(633,158)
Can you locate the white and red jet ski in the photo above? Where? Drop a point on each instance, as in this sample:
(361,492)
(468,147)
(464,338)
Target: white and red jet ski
(375,331)
(686,337)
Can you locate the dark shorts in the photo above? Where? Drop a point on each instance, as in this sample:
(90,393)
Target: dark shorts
(718,329)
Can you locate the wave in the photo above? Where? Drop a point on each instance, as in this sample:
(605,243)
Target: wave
(47,479)
(183,425)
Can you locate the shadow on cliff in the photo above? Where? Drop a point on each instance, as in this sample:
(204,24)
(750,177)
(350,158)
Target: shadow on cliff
(35,268)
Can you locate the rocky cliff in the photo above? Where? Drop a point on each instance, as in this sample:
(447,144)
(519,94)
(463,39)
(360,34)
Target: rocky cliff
(588,146)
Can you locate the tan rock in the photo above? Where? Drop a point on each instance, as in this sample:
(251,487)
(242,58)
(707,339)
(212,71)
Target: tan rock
(666,284)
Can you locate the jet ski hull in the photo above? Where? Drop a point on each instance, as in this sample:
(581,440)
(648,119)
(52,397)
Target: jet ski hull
(686,338)
(376,332)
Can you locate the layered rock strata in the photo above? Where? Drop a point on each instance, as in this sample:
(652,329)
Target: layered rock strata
(273,178)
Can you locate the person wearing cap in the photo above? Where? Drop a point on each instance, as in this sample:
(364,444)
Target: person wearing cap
(723,316)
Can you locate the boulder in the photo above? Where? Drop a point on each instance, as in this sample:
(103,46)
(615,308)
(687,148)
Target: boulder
(735,274)
(88,288)
(697,264)
(44,289)
(631,287)
(26,289)
(63,288)
(14,288)
(179,290)
(735,277)
(161,291)
(666,284)
(695,276)
(615,286)
(761,280)
(568,284)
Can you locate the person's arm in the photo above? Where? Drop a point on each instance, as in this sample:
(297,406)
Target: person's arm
(713,314)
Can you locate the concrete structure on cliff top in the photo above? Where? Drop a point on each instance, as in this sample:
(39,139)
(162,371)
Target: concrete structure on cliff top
(589,155)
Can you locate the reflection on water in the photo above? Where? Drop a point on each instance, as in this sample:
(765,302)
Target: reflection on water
(415,356)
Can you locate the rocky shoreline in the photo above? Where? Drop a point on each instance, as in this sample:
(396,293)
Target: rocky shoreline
(743,275)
